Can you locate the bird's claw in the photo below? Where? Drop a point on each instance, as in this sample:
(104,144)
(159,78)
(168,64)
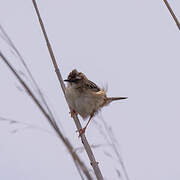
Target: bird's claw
(73,112)
(81,131)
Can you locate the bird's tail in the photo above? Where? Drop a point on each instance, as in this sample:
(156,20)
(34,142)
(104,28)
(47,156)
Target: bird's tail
(110,99)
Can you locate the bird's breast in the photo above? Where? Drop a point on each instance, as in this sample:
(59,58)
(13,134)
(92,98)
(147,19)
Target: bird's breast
(84,103)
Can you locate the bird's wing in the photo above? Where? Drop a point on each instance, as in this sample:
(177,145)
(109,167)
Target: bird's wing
(89,84)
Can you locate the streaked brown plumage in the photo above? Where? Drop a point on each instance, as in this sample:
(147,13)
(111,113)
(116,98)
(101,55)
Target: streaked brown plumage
(85,97)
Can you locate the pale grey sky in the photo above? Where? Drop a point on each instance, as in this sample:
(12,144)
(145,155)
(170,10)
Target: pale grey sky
(133,47)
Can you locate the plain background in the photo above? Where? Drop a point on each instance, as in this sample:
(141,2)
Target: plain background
(131,46)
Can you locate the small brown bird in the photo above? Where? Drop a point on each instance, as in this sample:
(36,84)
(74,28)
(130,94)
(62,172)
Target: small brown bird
(85,97)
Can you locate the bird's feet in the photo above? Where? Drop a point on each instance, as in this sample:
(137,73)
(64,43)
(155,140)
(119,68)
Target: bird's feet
(73,112)
(81,131)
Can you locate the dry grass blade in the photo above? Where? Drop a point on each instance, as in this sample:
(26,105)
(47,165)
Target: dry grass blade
(27,125)
(51,121)
(11,44)
(76,120)
(115,148)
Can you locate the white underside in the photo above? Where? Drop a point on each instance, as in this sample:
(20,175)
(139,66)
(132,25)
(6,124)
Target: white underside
(84,103)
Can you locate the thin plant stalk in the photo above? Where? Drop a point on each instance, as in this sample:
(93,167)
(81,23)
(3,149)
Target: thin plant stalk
(87,147)
(172,13)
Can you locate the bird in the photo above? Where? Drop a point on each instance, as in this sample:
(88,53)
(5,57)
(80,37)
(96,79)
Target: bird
(85,97)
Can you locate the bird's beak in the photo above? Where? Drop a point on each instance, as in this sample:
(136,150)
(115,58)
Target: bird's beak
(74,80)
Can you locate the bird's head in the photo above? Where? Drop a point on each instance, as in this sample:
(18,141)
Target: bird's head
(75,77)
